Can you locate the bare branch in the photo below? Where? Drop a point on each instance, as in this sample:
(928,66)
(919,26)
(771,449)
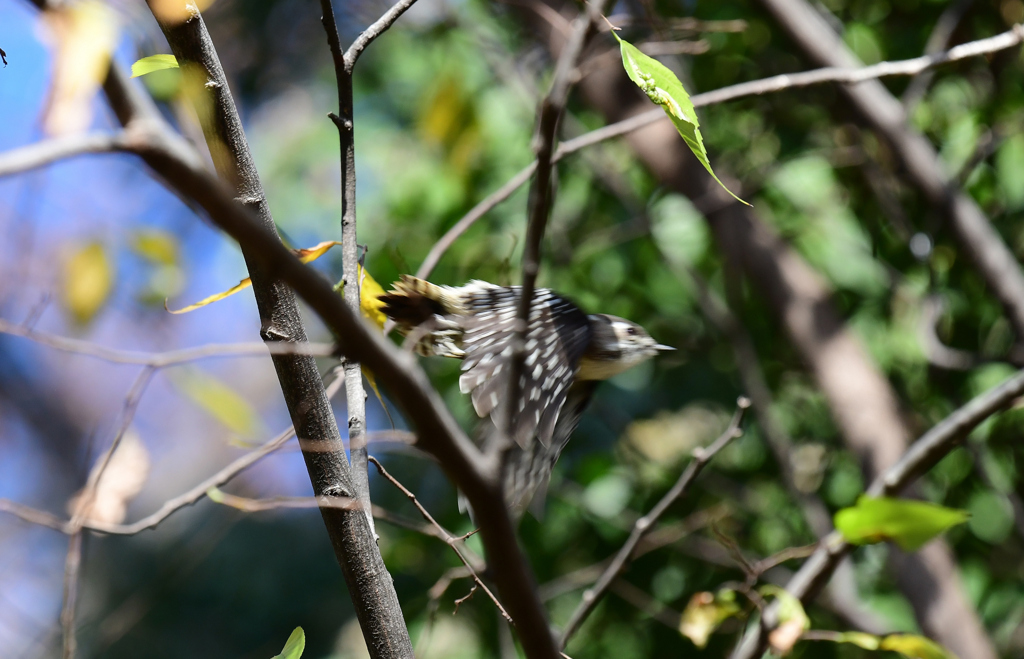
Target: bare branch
(355,394)
(921,456)
(701,457)
(39,154)
(170,357)
(539,206)
(374,31)
(451,540)
(848,75)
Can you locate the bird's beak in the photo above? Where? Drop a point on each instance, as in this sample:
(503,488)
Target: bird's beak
(659,346)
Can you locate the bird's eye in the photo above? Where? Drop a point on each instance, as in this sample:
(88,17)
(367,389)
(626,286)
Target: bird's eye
(631,331)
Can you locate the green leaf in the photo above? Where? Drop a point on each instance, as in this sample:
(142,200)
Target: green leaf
(915,647)
(219,400)
(910,524)
(860,639)
(294,646)
(153,63)
(663,87)
(705,612)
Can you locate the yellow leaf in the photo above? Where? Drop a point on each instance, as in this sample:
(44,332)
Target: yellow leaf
(88,280)
(704,613)
(156,246)
(305,255)
(84,35)
(219,400)
(309,254)
(240,286)
(915,647)
(369,300)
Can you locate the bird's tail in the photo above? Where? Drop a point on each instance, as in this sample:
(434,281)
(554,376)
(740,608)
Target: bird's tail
(412,301)
(422,312)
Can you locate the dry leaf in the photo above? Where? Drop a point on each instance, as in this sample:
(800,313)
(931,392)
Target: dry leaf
(84,34)
(123,478)
(784,637)
(305,255)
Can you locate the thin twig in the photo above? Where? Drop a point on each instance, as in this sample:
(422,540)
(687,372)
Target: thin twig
(72,564)
(914,66)
(921,456)
(167,358)
(39,154)
(541,197)
(451,540)
(355,394)
(373,31)
(701,457)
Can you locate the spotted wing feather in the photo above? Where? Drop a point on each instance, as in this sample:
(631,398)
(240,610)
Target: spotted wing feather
(557,336)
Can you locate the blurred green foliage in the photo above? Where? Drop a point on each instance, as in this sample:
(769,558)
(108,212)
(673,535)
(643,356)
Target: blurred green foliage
(444,116)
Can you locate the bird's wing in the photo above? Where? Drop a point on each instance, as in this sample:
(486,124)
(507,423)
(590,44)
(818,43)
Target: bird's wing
(557,336)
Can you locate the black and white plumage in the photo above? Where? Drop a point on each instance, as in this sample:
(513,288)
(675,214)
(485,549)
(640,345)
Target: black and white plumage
(566,352)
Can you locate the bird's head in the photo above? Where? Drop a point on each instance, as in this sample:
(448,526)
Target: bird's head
(617,345)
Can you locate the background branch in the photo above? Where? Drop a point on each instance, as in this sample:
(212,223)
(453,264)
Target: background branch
(642,526)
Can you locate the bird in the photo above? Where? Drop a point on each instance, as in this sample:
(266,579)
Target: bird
(566,354)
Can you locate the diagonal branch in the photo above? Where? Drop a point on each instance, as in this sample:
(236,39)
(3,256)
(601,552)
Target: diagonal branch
(919,458)
(701,457)
(845,75)
(445,535)
(370,586)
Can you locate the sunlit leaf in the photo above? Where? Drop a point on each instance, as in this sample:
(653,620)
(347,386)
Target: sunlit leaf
(123,478)
(84,34)
(372,309)
(156,246)
(88,280)
(915,647)
(704,613)
(910,524)
(154,63)
(663,88)
(219,400)
(294,646)
(860,639)
(793,620)
(306,255)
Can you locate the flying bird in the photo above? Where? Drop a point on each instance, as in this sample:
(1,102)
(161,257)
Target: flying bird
(567,353)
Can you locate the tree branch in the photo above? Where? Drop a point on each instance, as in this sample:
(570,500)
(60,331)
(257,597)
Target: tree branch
(170,357)
(847,75)
(541,197)
(919,458)
(373,31)
(445,535)
(355,394)
(40,154)
(370,586)
(701,457)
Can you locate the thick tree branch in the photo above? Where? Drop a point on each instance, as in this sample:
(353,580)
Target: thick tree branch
(370,585)
(642,526)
